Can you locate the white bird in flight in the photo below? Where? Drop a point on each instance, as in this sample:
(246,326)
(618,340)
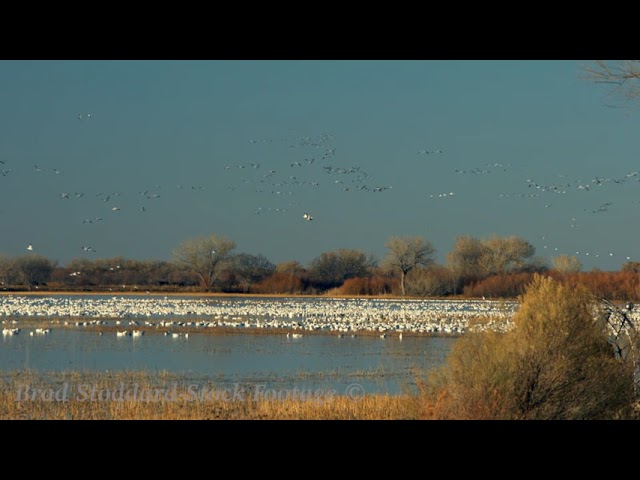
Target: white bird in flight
(30,247)
(306,216)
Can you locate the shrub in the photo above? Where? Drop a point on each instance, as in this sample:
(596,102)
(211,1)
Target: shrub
(506,285)
(556,363)
(279,283)
(430,282)
(376,285)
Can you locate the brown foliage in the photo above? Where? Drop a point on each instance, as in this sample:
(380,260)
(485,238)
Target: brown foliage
(631,267)
(556,363)
(610,285)
(279,283)
(434,281)
(506,285)
(376,285)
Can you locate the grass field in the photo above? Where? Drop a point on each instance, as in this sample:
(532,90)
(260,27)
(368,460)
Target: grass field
(30,395)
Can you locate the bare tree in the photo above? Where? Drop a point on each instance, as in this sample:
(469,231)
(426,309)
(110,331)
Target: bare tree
(204,256)
(465,259)
(250,269)
(291,267)
(507,254)
(622,76)
(406,253)
(7,271)
(478,258)
(331,269)
(433,281)
(36,269)
(566,264)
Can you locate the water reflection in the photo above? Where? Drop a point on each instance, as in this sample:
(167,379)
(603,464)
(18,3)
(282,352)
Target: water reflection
(379,365)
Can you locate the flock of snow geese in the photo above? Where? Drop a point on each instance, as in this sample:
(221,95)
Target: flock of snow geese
(275,181)
(283,183)
(171,316)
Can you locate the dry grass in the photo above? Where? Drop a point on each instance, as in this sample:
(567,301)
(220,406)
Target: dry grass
(30,395)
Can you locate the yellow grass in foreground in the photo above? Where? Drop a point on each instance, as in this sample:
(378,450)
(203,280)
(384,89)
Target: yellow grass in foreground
(31,395)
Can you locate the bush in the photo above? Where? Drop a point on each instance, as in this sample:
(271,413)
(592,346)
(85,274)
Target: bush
(610,285)
(430,282)
(279,283)
(556,363)
(376,285)
(506,285)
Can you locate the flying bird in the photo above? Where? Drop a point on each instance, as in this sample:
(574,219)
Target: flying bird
(306,216)
(30,247)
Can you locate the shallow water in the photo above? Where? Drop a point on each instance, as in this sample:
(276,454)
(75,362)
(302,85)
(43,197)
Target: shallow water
(387,365)
(379,365)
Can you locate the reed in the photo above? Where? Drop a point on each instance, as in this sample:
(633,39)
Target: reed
(132,395)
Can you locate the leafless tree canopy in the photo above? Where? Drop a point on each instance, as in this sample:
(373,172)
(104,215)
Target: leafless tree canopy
(291,267)
(35,269)
(331,269)
(566,264)
(622,76)
(479,258)
(250,269)
(406,253)
(205,256)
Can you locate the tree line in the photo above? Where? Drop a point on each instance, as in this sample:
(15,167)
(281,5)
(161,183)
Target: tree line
(491,267)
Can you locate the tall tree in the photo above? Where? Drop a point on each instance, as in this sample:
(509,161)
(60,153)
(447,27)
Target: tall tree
(8,274)
(331,269)
(566,264)
(406,253)
(465,259)
(250,269)
(291,267)
(478,258)
(36,269)
(506,254)
(204,256)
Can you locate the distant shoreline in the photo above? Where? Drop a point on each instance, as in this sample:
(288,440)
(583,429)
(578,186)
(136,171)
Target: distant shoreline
(240,295)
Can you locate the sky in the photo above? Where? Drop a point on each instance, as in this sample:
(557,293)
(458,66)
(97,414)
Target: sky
(131,158)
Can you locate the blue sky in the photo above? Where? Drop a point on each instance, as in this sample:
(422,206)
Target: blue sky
(162,133)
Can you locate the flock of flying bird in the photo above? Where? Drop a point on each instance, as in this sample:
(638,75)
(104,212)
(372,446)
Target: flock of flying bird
(283,183)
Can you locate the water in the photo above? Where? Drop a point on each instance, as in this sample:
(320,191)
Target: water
(387,365)
(379,365)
